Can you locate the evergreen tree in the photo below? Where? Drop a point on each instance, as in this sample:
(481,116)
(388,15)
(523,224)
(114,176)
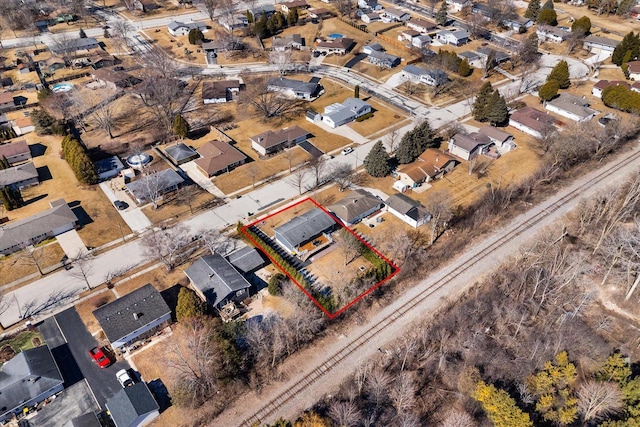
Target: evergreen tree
(553,388)
(16,197)
(480,105)
(560,73)
(250,16)
(500,408)
(292,17)
(83,35)
(377,161)
(4,163)
(4,199)
(414,142)
(441,15)
(624,7)
(548,17)
(180,126)
(630,42)
(497,112)
(195,36)
(548,91)
(529,49)
(42,121)
(533,10)
(464,69)
(548,5)
(356,91)
(260,28)
(616,368)
(44,93)
(189,305)
(275,284)
(581,26)
(625,66)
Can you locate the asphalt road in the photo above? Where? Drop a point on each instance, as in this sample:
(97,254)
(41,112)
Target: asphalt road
(74,359)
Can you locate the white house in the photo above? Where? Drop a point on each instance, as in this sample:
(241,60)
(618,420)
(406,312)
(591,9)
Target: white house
(421,25)
(370,17)
(572,107)
(532,122)
(373,47)
(431,77)
(295,88)
(600,44)
(407,209)
(468,146)
(384,60)
(177,28)
(337,114)
(603,84)
(634,70)
(456,37)
(500,138)
(396,15)
(231,22)
(458,5)
(552,34)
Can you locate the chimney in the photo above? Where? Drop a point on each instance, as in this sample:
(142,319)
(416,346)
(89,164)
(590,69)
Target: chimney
(135,316)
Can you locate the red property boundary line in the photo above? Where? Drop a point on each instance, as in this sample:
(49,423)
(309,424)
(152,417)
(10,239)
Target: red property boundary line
(335,314)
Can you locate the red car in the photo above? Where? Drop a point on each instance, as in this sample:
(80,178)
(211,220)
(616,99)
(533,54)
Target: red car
(99,357)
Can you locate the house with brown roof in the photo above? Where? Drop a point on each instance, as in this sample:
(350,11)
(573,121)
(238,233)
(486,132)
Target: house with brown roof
(219,91)
(339,46)
(320,12)
(294,4)
(468,146)
(421,25)
(533,122)
(15,152)
(217,157)
(599,87)
(270,142)
(113,79)
(6,100)
(100,58)
(634,70)
(22,125)
(431,165)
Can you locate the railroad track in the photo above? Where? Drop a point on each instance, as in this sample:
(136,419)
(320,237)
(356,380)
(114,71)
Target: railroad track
(460,267)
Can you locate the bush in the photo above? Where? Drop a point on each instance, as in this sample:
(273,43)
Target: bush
(195,36)
(189,305)
(275,284)
(364,117)
(621,98)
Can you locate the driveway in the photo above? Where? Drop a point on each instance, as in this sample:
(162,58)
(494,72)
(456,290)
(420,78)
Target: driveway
(74,401)
(205,183)
(72,244)
(311,149)
(345,131)
(353,61)
(133,215)
(103,382)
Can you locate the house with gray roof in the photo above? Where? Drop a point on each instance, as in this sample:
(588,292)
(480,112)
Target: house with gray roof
(407,209)
(19,177)
(468,146)
(455,37)
(85,420)
(548,33)
(177,28)
(269,142)
(74,45)
(295,88)
(15,235)
(15,152)
(29,378)
(246,260)
(598,43)
(108,168)
(216,281)
(134,316)
(384,60)
(257,12)
(337,114)
(292,41)
(499,56)
(500,138)
(432,77)
(181,153)
(155,184)
(303,229)
(355,206)
(572,107)
(133,406)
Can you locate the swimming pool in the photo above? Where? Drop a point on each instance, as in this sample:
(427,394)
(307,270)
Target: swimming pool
(335,36)
(61,87)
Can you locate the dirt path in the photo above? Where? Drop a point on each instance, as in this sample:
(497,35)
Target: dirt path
(320,370)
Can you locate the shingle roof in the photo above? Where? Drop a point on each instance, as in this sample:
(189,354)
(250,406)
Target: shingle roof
(603,84)
(394,12)
(428,164)
(471,141)
(495,133)
(270,138)
(634,66)
(295,85)
(217,156)
(17,232)
(246,259)
(15,148)
(304,227)
(15,384)
(405,205)
(180,152)
(572,104)
(6,98)
(427,25)
(341,43)
(533,119)
(216,278)
(166,178)
(218,89)
(130,403)
(354,205)
(16,174)
(117,318)
(86,420)
(602,41)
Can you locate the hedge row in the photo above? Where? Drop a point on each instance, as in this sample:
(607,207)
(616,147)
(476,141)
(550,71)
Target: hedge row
(364,117)
(381,268)
(82,166)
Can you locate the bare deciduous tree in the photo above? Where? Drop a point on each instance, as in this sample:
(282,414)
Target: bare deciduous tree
(392,139)
(458,418)
(297,178)
(267,104)
(598,400)
(438,204)
(165,98)
(350,246)
(210,6)
(345,414)
(215,242)
(252,171)
(377,385)
(403,392)
(120,30)
(82,267)
(282,59)
(317,165)
(343,175)
(169,246)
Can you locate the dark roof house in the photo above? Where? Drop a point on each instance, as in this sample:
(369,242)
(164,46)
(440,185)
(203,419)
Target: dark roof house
(161,182)
(216,281)
(467,146)
(217,157)
(133,316)
(407,209)
(220,91)
(30,377)
(295,88)
(303,228)
(21,176)
(246,260)
(180,153)
(269,142)
(133,406)
(15,152)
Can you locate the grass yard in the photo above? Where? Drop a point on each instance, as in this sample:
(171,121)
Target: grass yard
(270,224)
(21,264)
(278,304)
(610,74)
(308,32)
(86,308)
(22,341)
(174,206)
(383,117)
(159,277)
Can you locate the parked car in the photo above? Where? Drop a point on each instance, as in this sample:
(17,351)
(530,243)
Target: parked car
(124,378)
(347,151)
(99,357)
(120,205)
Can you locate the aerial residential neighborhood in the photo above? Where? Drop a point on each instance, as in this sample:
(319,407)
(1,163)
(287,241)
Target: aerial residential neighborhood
(319,213)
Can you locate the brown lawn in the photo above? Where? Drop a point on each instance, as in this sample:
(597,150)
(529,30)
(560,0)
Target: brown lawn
(159,277)
(308,32)
(166,8)
(21,264)
(86,308)
(610,74)
(334,267)
(279,304)
(270,224)
(176,46)
(383,117)
(88,200)
(174,206)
